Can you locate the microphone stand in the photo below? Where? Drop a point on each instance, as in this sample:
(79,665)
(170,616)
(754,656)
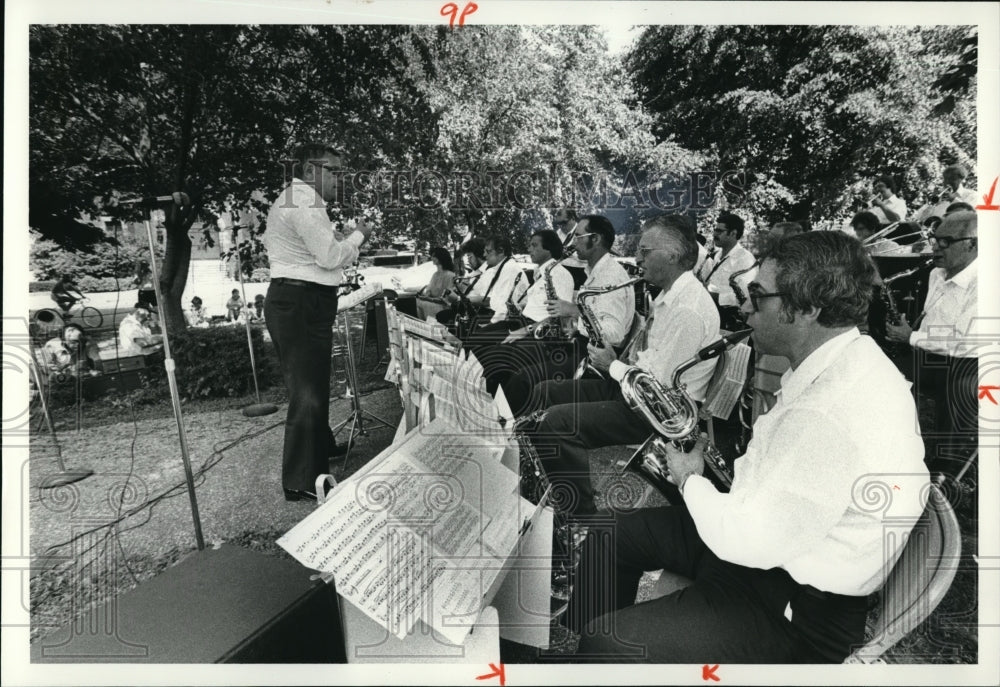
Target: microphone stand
(64,476)
(255,409)
(168,364)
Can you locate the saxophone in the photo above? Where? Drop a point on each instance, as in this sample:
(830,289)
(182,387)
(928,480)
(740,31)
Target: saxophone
(591,323)
(513,311)
(741,298)
(673,415)
(893,316)
(554,327)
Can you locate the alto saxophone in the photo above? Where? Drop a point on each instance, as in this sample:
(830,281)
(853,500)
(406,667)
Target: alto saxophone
(513,311)
(893,316)
(591,323)
(673,416)
(553,327)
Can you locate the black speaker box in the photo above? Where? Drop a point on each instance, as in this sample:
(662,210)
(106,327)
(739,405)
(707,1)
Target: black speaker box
(225,605)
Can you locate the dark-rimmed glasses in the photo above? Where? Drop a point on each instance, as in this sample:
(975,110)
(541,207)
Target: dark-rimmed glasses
(755,292)
(946,241)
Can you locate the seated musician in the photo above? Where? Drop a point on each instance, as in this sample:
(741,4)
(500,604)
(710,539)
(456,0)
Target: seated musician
(430,298)
(490,291)
(730,257)
(865,225)
(952,191)
(885,204)
(783,563)
(945,362)
(473,252)
(523,305)
(566,224)
(591,413)
(614,312)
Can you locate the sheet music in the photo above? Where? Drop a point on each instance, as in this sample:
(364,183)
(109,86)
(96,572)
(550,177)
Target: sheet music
(358,296)
(727,384)
(421,533)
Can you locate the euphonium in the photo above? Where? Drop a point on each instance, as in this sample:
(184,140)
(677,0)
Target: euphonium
(591,323)
(673,416)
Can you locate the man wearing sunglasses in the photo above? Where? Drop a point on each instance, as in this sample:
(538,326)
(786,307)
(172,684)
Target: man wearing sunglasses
(307,256)
(783,563)
(945,362)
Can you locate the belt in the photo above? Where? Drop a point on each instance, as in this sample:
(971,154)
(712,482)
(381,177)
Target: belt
(285,281)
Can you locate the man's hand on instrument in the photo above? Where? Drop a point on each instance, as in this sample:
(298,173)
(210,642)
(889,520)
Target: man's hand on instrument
(516,335)
(601,358)
(898,332)
(684,464)
(561,308)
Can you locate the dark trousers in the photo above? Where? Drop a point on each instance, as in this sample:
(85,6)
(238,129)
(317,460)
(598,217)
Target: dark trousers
(951,384)
(554,360)
(300,320)
(730,614)
(581,415)
(492,334)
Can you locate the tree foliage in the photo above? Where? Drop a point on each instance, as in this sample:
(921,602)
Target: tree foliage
(811,113)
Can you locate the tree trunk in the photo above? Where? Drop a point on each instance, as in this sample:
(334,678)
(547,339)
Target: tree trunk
(173,278)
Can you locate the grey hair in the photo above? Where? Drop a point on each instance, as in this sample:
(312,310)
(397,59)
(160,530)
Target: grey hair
(665,235)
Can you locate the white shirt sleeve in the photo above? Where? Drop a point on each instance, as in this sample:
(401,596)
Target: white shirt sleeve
(792,504)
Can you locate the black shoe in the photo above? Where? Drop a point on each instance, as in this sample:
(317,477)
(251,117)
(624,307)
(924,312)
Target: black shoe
(339,450)
(299,495)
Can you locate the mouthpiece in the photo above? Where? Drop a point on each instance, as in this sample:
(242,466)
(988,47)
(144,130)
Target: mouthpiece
(716,349)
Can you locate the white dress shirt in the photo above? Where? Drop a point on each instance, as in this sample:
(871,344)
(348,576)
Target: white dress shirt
(718,271)
(896,204)
(832,471)
(684,320)
(535,297)
(129,330)
(614,311)
(949,313)
(300,240)
(501,290)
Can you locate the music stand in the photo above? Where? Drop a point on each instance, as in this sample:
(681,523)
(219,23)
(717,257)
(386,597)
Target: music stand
(356,418)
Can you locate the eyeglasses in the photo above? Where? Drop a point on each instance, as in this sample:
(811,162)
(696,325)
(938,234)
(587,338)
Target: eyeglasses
(755,293)
(946,241)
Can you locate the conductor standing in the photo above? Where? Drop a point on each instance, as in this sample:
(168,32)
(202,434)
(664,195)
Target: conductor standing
(307,257)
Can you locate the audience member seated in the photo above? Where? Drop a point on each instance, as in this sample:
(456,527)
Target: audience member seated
(234,306)
(134,335)
(70,353)
(197,315)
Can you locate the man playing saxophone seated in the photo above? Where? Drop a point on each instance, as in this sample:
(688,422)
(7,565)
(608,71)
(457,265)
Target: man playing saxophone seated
(783,563)
(613,312)
(945,360)
(507,345)
(591,413)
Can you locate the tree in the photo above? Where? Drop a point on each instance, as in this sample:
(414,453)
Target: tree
(148,110)
(811,113)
